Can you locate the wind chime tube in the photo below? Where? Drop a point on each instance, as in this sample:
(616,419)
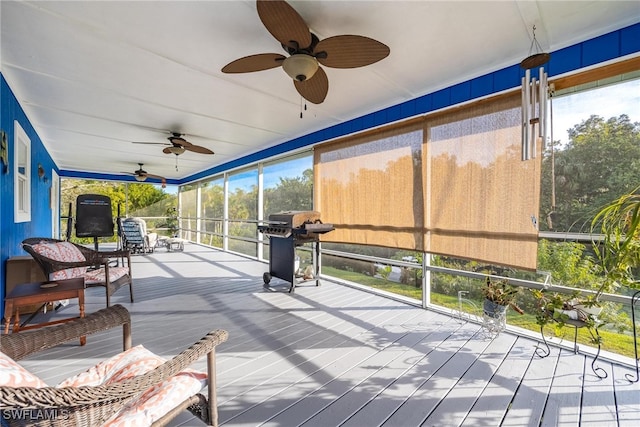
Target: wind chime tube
(534,120)
(525,116)
(543,95)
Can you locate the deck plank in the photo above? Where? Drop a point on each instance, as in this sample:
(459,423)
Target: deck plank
(353,386)
(494,402)
(455,407)
(598,397)
(563,403)
(444,370)
(627,396)
(354,389)
(298,361)
(327,368)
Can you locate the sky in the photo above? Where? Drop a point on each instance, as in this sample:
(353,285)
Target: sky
(246,180)
(608,101)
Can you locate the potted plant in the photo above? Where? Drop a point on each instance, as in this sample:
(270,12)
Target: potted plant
(171,223)
(499,295)
(559,308)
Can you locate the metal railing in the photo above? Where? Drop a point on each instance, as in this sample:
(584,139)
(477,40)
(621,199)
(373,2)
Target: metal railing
(427,271)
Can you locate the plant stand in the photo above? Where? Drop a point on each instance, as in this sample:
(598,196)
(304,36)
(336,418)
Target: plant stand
(494,317)
(471,312)
(634,301)
(576,324)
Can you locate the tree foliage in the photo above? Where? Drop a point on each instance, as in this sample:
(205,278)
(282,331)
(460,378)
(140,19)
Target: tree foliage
(600,163)
(568,264)
(128,199)
(291,193)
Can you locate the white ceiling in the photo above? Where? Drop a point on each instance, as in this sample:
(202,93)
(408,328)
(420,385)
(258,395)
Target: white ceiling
(93,76)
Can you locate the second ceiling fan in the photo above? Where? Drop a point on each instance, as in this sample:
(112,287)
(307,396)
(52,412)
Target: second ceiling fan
(141,175)
(178,145)
(306,51)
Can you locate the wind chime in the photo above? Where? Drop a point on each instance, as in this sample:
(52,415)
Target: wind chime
(535,93)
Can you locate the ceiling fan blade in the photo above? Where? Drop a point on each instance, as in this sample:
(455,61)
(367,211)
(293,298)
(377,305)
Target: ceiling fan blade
(251,63)
(284,23)
(315,89)
(350,51)
(197,149)
(150,175)
(149,143)
(178,140)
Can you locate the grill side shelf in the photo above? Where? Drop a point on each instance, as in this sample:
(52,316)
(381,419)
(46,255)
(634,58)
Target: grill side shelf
(319,228)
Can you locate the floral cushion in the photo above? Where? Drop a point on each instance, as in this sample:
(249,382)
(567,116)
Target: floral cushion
(135,361)
(98,276)
(62,251)
(153,403)
(14,375)
(159,399)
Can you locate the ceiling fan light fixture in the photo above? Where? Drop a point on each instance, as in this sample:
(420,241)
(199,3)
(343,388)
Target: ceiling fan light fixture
(300,66)
(141,178)
(176,150)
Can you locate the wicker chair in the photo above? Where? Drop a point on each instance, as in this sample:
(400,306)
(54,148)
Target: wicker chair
(93,259)
(91,406)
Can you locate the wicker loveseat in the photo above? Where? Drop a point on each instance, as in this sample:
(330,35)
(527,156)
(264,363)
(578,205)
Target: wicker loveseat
(95,405)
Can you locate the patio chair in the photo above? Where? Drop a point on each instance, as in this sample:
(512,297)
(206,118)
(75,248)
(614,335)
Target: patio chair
(135,236)
(65,260)
(154,395)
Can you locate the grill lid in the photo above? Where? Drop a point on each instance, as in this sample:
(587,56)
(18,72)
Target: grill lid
(302,224)
(294,219)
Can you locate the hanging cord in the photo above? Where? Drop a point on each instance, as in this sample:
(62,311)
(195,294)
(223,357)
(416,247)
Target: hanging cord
(534,43)
(553,160)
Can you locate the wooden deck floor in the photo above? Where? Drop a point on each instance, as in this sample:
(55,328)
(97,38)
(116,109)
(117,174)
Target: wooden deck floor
(337,356)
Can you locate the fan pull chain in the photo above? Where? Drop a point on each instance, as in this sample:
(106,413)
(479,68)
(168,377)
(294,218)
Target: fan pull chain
(176,163)
(302,107)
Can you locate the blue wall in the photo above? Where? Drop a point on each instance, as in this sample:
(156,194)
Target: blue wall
(11,233)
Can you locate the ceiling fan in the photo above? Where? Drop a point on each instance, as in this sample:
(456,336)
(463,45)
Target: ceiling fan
(178,145)
(141,175)
(306,51)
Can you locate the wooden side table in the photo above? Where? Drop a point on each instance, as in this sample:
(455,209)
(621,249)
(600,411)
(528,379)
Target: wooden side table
(23,269)
(40,293)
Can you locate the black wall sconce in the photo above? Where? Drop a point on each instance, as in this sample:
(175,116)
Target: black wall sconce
(41,174)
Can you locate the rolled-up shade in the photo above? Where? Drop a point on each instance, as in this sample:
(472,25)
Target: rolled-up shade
(452,184)
(483,199)
(370,187)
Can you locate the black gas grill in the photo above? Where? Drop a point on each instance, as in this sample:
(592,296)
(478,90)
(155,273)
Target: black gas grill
(286,231)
